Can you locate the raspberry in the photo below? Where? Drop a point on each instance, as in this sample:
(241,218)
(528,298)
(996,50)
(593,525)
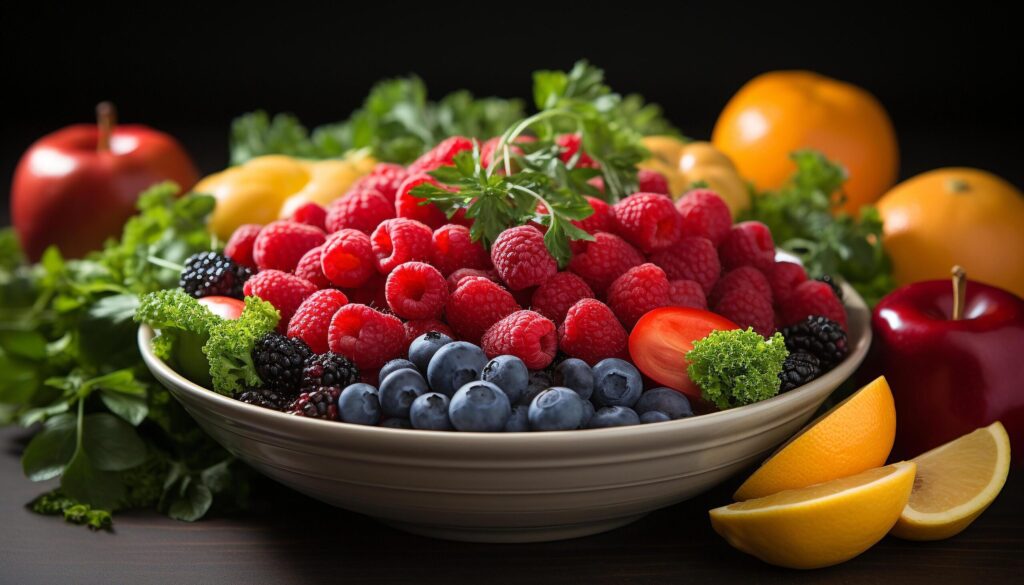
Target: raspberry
(528,335)
(347,259)
(784,278)
(571,144)
(650,181)
(459,218)
(639,290)
(367,337)
(415,328)
(477,304)
(285,291)
(555,295)
(693,258)
(400,240)
(647,220)
(749,243)
(239,246)
(687,293)
(309,267)
(282,244)
(313,317)
(412,207)
(455,278)
(370,293)
(441,155)
(521,258)
(453,249)
(489,151)
(705,214)
(385,178)
(599,221)
(591,332)
(311,214)
(812,297)
(604,259)
(416,290)
(741,278)
(746,307)
(361,210)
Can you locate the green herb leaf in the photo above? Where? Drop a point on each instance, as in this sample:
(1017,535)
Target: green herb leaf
(131,408)
(191,502)
(84,482)
(49,452)
(111,444)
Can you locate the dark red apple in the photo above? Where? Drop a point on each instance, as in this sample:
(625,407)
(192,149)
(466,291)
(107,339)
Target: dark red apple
(77,186)
(950,376)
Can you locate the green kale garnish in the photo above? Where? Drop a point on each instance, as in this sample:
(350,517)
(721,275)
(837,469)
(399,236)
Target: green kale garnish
(737,367)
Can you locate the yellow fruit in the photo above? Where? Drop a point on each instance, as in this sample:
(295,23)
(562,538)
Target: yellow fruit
(955,483)
(855,435)
(820,525)
(684,164)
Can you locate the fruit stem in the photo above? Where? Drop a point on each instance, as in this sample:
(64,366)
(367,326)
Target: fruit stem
(959,292)
(106,119)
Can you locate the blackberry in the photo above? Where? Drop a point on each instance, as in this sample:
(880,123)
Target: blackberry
(319,402)
(799,368)
(819,336)
(328,369)
(279,360)
(827,279)
(265,398)
(209,273)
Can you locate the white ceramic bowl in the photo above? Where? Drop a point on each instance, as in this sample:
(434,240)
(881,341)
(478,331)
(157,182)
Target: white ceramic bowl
(515,487)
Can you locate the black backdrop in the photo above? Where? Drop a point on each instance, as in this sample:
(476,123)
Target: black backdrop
(943,72)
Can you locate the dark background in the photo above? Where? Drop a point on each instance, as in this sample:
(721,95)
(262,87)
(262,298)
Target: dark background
(944,72)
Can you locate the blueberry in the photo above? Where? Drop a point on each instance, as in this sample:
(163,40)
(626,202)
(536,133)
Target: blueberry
(666,400)
(653,416)
(398,390)
(616,383)
(394,366)
(455,365)
(396,423)
(588,411)
(519,421)
(557,409)
(424,347)
(430,412)
(508,373)
(575,374)
(613,416)
(539,382)
(479,406)
(359,404)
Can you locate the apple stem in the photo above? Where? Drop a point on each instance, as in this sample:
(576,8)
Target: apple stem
(106,119)
(959,292)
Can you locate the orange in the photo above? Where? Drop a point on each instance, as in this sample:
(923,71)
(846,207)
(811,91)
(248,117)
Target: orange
(955,483)
(780,112)
(855,435)
(819,525)
(953,216)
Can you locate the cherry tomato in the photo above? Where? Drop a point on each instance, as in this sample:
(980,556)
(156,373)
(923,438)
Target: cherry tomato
(188,353)
(223,307)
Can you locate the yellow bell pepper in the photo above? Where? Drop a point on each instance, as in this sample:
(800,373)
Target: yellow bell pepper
(687,163)
(272,187)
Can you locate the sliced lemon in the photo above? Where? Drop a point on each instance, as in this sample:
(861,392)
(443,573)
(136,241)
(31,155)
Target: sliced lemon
(822,524)
(955,483)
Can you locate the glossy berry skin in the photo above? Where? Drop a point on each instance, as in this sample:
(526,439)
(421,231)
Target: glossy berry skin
(784,277)
(592,332)
(518,421)
(361,210)
(601,261)
(429,412)
(577,375)
(400,240)
(455,365)
(556,295)
(423,348)
(640,290)
(367,337)
(521,258)
(393,366)
(477,304)
(453,248)
(359,405)
(539,381)
(616,383)
(441,155)
(812,297)
(613,416)
(653,416)
(313,318)
(310,268)
(665,400)
(417,327)
(686,293)
(311,214)
(416,290)
(649,221)
(588,412)
(527,335)
(508,373)
(557,409)
(749,243)
(283,290)
(409,206)
(704,214)
(693,258)
(480,407)
(398,391)
(744,277)
(347,259)
(240,244)
(281,244)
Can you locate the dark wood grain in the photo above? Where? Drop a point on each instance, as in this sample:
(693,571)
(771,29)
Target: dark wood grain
(292,539)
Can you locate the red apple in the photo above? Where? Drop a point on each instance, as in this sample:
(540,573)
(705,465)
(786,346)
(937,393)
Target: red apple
(950,376)
(77,186)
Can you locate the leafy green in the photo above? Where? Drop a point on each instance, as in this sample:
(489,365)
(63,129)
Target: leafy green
(55,502)
(804,221)
(737,367)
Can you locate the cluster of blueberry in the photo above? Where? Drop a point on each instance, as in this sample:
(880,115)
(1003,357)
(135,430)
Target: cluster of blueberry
(451,385)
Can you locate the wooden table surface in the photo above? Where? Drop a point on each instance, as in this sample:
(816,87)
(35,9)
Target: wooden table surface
(292,539)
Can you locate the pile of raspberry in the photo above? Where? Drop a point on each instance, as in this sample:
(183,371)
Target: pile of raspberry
(378,267)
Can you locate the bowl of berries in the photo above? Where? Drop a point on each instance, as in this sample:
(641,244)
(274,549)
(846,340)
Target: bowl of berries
(383,356)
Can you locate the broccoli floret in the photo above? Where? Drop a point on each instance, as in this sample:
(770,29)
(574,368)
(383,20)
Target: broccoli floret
(737,367)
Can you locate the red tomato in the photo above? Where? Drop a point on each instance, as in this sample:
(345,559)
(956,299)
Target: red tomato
(661,338)
(223,307)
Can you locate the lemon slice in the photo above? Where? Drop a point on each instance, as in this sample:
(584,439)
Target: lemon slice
(822,524)
(955,483)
